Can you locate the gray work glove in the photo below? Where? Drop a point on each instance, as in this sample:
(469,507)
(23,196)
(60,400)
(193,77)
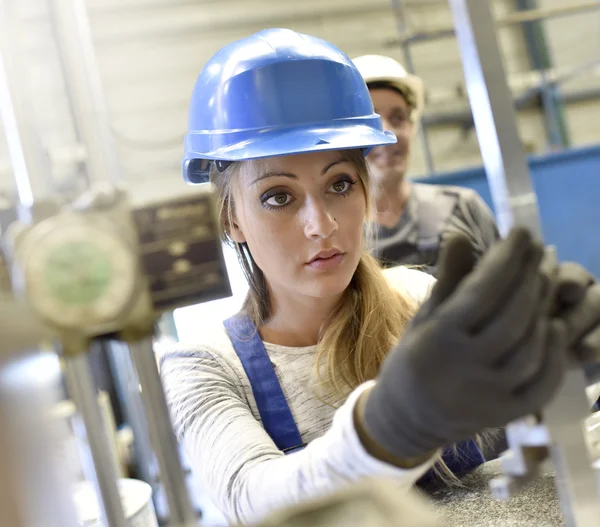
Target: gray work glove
(480,353)
(577,302)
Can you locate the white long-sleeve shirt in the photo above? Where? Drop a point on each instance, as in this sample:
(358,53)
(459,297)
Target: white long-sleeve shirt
(215,416)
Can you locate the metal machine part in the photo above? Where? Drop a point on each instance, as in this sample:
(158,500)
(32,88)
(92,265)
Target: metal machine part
(161,433)
(514,198)
(81,388)
(81,272)
(97,267)
(180,250)
(128,388)
(32,178)
(576,479)
(76,273)
(72,32)
(559,430)
(79,269)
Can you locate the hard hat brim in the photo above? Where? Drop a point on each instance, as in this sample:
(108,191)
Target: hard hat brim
(278,141)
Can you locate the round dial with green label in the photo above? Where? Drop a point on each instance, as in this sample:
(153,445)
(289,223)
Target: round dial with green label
(80,275)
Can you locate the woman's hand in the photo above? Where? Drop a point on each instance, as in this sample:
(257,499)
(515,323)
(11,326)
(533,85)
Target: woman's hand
(577,301)
(483,351)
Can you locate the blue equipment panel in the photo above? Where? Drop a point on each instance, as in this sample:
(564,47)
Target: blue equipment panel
(568,189)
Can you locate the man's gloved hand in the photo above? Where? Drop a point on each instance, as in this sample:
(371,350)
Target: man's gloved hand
(481,352)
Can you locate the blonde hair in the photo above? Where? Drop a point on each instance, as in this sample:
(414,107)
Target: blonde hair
(362,329)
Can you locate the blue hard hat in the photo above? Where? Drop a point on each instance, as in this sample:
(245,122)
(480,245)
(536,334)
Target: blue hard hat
(275,93)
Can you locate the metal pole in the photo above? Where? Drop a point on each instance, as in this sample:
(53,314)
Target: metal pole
(530,15)
(80,384)
(516,202)
(576,480)
(74,38)
(514,198)
(181,512)
(399,8)
(540,59)
(32,174)
(128,388)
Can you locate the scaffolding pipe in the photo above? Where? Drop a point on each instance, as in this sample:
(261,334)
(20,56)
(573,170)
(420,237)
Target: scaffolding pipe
(72,31)
(30,168)
(399,8)
(464,117)
(530,15)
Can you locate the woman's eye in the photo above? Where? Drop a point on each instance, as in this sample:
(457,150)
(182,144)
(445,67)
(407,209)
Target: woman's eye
(278,200)
(341,186)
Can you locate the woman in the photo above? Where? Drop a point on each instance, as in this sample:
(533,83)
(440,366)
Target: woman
(281,123)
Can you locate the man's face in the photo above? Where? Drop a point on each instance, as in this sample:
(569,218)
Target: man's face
(389,163)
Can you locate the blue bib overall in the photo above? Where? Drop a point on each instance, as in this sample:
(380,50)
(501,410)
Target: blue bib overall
(275,412)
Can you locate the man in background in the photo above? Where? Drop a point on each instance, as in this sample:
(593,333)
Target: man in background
(414,219)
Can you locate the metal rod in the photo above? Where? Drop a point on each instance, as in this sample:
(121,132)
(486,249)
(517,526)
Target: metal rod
(32,175)
(400,10)
(464,117)
(80,384)
(163,439)
(514,198)
(74,38)
(576,480)
(530,15)
(540,58)
(128,389)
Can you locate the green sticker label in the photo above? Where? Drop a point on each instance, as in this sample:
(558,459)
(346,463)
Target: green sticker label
(78,273)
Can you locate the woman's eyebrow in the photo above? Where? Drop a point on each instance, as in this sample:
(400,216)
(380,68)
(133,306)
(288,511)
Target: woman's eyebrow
(294,176)
(330,165)
(274,174)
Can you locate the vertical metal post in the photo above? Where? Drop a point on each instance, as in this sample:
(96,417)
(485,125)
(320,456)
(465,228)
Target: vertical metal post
(164,443)
(128,388)
(515,202)
(32,173)
(74,38)
(399,10)
(514,198)
(576,480)
(81,390)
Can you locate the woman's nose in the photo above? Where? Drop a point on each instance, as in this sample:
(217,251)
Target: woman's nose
(320,222)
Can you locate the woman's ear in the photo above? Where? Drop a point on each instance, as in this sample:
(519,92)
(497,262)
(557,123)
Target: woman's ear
(235,231)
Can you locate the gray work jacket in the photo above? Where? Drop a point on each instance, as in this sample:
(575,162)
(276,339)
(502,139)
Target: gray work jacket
(432,213)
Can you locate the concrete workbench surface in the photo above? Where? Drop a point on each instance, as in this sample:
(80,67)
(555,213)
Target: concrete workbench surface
(472,505)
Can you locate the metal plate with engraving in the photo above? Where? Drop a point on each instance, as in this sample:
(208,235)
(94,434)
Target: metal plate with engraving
(181,252)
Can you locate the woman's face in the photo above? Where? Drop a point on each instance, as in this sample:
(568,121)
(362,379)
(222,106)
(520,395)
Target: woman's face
(302,217)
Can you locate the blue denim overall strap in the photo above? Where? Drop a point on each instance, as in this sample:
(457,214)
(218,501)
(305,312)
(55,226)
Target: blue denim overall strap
(461,459)
(275,413)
